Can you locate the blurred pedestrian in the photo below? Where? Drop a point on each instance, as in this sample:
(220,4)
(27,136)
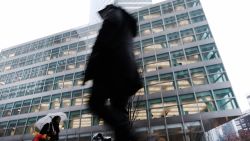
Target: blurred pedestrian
(113,69)
(51,130)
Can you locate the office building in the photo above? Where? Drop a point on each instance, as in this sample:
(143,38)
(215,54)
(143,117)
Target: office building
(186,88)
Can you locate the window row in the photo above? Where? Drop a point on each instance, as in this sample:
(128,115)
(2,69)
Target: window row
(62,38)
(71,49)
(148,45)
(208,101)
(174,39)
(55,101)
(60,82)
(165,8)
(172,22)
(76,119)
(184,79)
(47,69)
(177,58)
(221,99)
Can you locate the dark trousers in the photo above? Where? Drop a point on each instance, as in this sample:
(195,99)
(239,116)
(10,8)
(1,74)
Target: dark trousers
(114,114)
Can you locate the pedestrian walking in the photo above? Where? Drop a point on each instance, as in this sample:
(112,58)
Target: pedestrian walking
(113,69)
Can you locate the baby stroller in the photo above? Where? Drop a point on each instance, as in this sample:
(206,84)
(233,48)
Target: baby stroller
(100,137)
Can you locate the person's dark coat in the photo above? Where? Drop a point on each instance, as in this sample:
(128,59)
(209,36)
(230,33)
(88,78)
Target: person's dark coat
(112,61)
(52,130)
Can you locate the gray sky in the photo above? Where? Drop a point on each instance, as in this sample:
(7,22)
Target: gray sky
(25,20)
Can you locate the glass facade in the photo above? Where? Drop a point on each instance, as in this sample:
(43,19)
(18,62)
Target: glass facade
(186,88)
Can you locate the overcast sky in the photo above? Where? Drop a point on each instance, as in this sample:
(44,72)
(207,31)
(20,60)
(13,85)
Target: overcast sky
(25,20)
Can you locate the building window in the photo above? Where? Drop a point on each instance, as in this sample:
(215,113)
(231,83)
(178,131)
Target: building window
(197,16)
(148,46)
(71,63)
(58,83)
(216,73)
(80,62)
(64,51)
(209,51)
(39,86)
(81,46)
(74,119)
(203,32)
(144,15)
(26,106)
(205,101)
(188,104)
(1,109)
(54,53)
(78,79)
(163,61)
(145,29)
(55,101)
(227,104)
(150,64)
(57,39)
(187,36)
(48,85)
(66,37)
(77,98)
(160,42)
(155,12)
(182,79)
(30,88)
(45,103)
(86,96)
(73,49)
(183,19)
(193,55)
(17,108)
(179,5)
(157,26)
(137,48)
(192,3)
(68,81)
(170,106)
(178,58)
(152,86)
(223,93)
(35,107)
(52,68)
(10,131)
(46,56)
(198,76)
(174,39)
(66,99)
(20,127)
(170,22)
(86,119)
(140,110)
(167,82)
(61,66)
(156,108)
(7,110)
(167,8)
(3,126)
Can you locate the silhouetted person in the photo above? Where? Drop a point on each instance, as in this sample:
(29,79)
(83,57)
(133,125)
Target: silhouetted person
(113,69)
(52,129)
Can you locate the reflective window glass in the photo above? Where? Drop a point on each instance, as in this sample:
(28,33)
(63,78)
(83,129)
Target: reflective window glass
(216,73)
(183,79)
(174,39)
(199,76)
